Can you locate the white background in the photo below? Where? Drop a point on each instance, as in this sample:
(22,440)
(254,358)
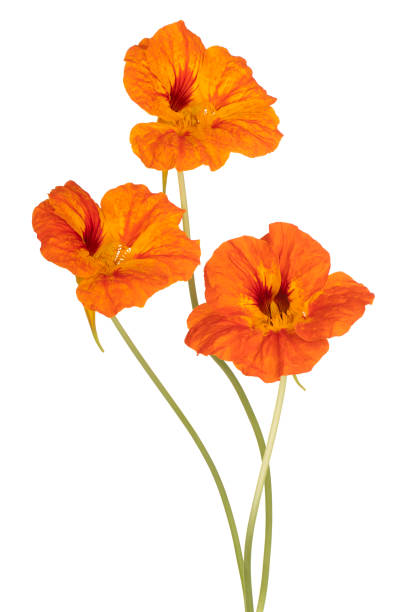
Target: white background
(106,505)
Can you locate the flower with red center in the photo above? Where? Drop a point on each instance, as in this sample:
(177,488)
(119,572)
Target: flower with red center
(121,252)
(271,304)
(207,102)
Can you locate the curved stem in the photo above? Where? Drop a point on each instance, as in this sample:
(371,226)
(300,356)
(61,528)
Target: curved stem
(268,485)
(197,440)
(258,493)
(250,414)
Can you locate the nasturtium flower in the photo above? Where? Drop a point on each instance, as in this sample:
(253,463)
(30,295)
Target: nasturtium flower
(271,304)
(207,103)
(121,252)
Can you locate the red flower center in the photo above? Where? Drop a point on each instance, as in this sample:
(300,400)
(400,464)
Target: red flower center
(182,90)
(264,299)
(92,236)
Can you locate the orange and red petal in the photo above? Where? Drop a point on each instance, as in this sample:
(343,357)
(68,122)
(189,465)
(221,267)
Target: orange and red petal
(238,269)
(142,86)
(127,286)
(226,334)
(162,147)
(148,224)
(160,73)
(252,133)
(303,262)
(226,81)
(334,310)
(76,207)
(131,212)
(222,332)
(60,242)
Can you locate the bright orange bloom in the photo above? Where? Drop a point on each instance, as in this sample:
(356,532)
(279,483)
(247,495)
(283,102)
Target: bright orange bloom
(271,304)
(121,252)
(207,102)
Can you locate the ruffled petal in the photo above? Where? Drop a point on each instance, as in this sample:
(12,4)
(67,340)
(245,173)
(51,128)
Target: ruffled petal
(129,285)
(69,227)
(161,72)
(163,147)
(243,120)
(147,223)
(226,334)
(334,310)
(130,210)
(226,81)
(238,268)
(252,132)
(222,332)
(304,263)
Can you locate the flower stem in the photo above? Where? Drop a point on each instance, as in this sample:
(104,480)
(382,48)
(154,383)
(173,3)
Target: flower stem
(197,440)
(257,498)
(249,412)
(164,180)
(268,485)
(186,228)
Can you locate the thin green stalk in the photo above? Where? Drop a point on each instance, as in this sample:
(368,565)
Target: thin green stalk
(258,493)
(250,414)
(164,180)
(268,485)
(197,440)
(186,227)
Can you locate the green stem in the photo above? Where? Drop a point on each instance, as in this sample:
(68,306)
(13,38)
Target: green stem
(250,414)
(164,180)
(258,493)
(186,227)
(268,485)
(197,440)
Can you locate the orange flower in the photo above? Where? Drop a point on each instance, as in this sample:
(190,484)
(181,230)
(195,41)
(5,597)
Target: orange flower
(121,252)
(271,304)
(207,102)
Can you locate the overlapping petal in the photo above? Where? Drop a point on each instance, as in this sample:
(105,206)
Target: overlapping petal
(207,102)
(228,334)
(130,284)
(271,305)
(140,248)
(236,269)
(163,146)
(164,67)
(303,262)
(226,82)
(69,228)
(333,311)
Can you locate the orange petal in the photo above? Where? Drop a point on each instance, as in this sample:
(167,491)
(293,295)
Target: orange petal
(130,210)
(160,73)
(334,310)
(227,82)
(222,332)
(304,263)
(226,334)
(236,270)
(125,287)
(253,132)
(244,121)
(148,224)
(162,147)
(69,228)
